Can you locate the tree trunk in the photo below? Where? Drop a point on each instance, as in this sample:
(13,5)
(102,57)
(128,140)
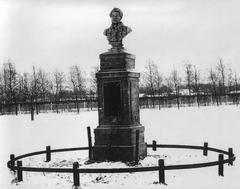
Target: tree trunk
(32,109)
(198,100)
(77,106)
(37,110)
(16,106)
(56,104)
(159,102)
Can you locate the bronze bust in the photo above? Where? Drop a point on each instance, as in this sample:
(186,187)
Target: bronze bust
(117,31)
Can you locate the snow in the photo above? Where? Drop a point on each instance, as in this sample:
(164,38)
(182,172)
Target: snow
(219,126)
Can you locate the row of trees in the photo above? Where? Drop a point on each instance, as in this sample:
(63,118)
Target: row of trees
(57,86)
(41,86)
(218,81)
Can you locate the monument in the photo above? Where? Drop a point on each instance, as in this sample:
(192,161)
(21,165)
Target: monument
(118,100)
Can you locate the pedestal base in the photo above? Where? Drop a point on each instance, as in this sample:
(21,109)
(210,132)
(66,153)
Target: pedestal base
(117,143)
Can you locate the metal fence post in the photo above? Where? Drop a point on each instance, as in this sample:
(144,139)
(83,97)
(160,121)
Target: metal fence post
(230,155)
(19,171)
(76,179)
(205,149)
(220,165)
(161,171)
(48,153)
(137,147)
(89,142)
(12,162)
(154,145)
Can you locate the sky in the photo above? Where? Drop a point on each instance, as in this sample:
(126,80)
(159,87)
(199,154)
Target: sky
(56,34)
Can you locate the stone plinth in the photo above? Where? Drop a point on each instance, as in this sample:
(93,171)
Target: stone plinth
(117,61)
(118,143)
(118,109)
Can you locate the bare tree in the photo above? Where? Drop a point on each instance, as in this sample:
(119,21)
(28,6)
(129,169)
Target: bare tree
(169,89)
(189,79)
(236,84)
(221,68)
(27,91)
(149,79)
(26,85)
(158,84)
(196,76)
(93,79)
(10,83)
(213,78)
(93,84)
(44,84)
(176,80)
(77,83)
(34,90)
(58,86)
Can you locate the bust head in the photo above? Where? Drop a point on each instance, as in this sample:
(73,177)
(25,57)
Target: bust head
(117,31)
(116,15)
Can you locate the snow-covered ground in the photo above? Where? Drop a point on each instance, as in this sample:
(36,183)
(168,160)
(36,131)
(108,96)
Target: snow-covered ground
(219,126)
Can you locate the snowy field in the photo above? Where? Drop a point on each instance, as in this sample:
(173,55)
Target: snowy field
(219,126)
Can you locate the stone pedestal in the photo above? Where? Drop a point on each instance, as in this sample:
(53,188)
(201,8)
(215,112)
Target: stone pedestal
(118,109)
